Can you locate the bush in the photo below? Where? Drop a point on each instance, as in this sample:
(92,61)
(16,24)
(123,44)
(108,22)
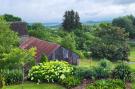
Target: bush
(83,72)
(52,71)
(12,76)
(122,71)
(107,84)
(70,81)
(103,70)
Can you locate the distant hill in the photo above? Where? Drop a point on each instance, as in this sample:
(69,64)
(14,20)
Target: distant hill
(95,22)
(57,25)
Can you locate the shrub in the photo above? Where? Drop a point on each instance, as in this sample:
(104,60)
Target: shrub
(107,84)
(122,71)
(52,71)
(12,76)
(83,72)
(70,81)
(103,70)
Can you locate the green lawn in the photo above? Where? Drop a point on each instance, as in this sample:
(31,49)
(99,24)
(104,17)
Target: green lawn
(132,66)
(132,54)
(87,63)
(29,85)
(132,50)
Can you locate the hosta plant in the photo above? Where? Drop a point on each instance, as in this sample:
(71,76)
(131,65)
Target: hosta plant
(52,71)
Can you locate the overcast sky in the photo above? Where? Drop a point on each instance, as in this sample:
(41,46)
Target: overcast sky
(53,10)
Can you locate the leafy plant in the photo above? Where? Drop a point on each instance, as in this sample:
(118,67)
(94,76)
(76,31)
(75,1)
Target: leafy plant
(1,81)
(107,84)
(11,76)
(8,38)
(82,72)
(70,81)
(43,59)
(122,71)
(103,70)
(52,71)
(18,58)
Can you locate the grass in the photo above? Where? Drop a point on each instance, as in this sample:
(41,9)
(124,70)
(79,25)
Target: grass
(132,51)
(132,66)
(30,85)
(87,63)
(132,54)
(133,85)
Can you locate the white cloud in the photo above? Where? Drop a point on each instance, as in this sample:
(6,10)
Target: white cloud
(53,10)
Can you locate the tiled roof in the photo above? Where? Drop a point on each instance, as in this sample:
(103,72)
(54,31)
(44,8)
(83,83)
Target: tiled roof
(43,47)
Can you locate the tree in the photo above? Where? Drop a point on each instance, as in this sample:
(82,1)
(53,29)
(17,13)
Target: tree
(71,21)
(69,42)
(84,37)
(11,18)
(37,26)
(17,58)
(8,38)
(111,43)
(126,22)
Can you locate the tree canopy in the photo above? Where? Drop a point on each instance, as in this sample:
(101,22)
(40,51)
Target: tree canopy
(8,38)
(110,43)
(11,18)
(71,21)
(126,22)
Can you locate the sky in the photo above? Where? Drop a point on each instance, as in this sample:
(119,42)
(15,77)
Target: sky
(53,10)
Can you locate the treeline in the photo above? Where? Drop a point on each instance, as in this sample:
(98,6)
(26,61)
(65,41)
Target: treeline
(105,40)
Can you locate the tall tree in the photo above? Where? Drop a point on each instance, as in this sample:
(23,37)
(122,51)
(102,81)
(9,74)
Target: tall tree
(71,21)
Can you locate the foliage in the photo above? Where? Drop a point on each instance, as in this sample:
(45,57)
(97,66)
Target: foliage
(1,81)
(127,22)
(41,32)
(18,58)
(52,71)
(8,38)
(36,26)
(70,81)
(11,18)
(11,76)
(103,70)
(69,42)
(122,71)
(83,72)
(71,21)
(84,37)
(43,59)
(110,43)
(107,84)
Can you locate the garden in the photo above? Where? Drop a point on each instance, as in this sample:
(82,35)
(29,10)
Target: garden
(106,51)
